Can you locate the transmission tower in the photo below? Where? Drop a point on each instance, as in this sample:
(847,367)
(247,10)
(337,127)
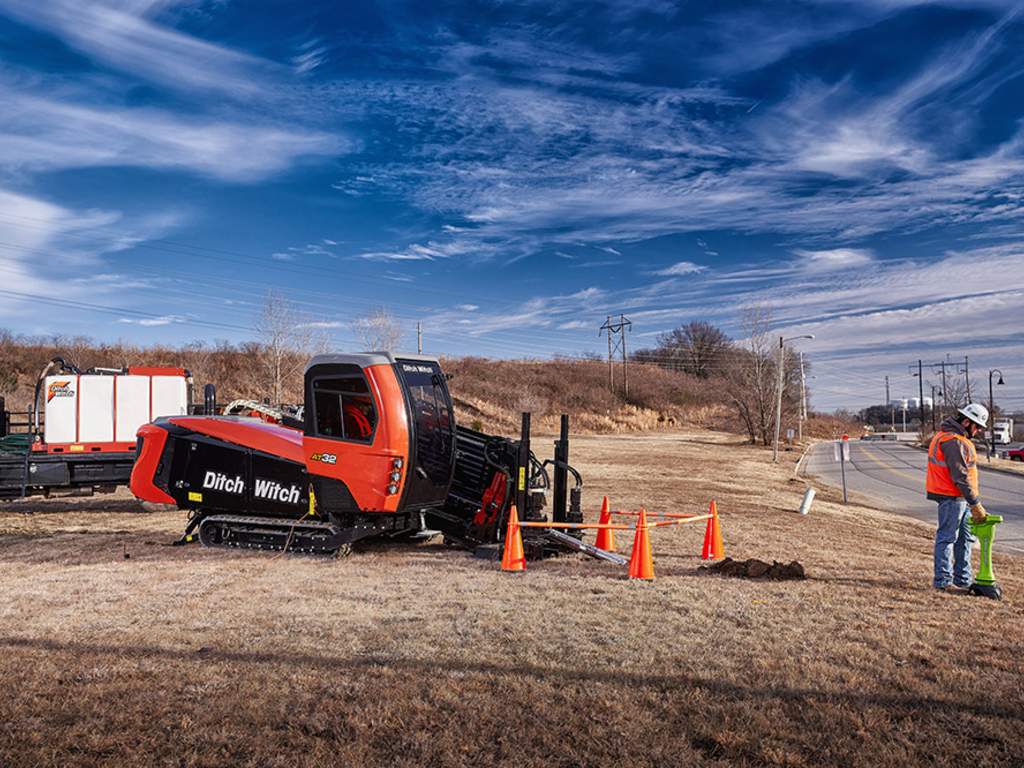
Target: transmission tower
(617,345)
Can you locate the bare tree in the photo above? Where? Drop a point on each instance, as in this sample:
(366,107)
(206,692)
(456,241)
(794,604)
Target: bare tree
(9,369)
(696,348)
(378,331)
(751,376)
(287,339)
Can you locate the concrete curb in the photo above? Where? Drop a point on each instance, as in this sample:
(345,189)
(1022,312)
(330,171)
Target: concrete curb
(798,469)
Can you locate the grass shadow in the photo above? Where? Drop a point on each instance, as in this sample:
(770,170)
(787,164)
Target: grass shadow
(902,702)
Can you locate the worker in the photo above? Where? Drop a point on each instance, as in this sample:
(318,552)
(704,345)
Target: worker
(953,482)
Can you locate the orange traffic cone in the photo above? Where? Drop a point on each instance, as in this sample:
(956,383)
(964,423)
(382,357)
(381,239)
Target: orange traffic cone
(713,548)
(605,536)
(513,558)
(641,564)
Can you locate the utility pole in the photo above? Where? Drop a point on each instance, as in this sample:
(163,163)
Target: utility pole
(624,325)
(992,413)
(945,389)
(967,378)
(888,402)
(611,370)
(419,338)
(778,399)
(617,330)
(920,389)
(803,399)
(933,407)
(778,394)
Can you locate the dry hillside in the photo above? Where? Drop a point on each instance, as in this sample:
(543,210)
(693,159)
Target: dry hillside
(489,394)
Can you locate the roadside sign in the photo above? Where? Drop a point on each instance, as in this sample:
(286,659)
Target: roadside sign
(790,434)
(841,450)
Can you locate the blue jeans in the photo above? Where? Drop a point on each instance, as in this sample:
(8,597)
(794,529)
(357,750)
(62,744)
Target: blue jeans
(953,540)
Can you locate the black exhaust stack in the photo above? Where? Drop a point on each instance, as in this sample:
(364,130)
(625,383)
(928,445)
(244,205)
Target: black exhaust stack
(210,400)
(561,473)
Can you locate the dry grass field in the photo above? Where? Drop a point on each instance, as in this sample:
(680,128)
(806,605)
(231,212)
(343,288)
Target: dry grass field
(423,656)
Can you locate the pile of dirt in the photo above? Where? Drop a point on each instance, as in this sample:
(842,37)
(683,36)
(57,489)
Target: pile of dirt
(757,569)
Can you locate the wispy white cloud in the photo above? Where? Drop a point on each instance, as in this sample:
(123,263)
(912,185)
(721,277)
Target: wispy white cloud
(538,312)
(583,165)
(431,251)
(322,324)
(124,36)
(150,322)
(56,128)
(311,249)
(311,55)
(835,258)
(680,268)
(51,251)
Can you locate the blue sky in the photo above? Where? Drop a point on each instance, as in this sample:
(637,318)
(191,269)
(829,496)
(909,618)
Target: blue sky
(509,172)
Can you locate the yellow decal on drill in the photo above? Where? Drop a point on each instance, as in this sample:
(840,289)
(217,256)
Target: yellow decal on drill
(522,478)
(193,496)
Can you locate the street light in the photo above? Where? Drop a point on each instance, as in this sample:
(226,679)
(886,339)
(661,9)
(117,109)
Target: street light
(778,396)
(992,412)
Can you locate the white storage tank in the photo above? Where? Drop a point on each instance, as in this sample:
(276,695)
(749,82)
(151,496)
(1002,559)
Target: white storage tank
(132,406)
(95,409)
(60,394)
(103,411)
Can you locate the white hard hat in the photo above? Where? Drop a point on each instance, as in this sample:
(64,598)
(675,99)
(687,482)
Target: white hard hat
(977,413)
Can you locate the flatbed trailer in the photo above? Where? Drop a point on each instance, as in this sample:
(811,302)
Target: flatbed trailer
(41,473)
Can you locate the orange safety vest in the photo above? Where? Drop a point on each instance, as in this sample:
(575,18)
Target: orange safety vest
(939,480)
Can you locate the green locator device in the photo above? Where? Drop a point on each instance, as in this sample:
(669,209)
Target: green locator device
(985,582)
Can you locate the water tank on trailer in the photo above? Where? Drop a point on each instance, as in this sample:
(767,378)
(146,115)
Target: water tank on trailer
(109,408)
(61,403)
(132,406)
(96,409)
(170,397)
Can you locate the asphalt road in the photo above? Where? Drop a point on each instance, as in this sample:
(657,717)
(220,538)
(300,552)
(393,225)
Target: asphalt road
(893,475)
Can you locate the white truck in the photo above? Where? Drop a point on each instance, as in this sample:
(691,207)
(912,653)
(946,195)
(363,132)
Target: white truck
(1002,431)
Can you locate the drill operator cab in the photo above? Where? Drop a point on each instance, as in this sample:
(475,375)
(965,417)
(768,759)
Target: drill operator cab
(379,433)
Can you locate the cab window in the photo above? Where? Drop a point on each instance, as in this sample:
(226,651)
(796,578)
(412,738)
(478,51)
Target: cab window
(343,408)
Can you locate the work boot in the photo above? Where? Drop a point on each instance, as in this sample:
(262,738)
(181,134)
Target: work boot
(953,589)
